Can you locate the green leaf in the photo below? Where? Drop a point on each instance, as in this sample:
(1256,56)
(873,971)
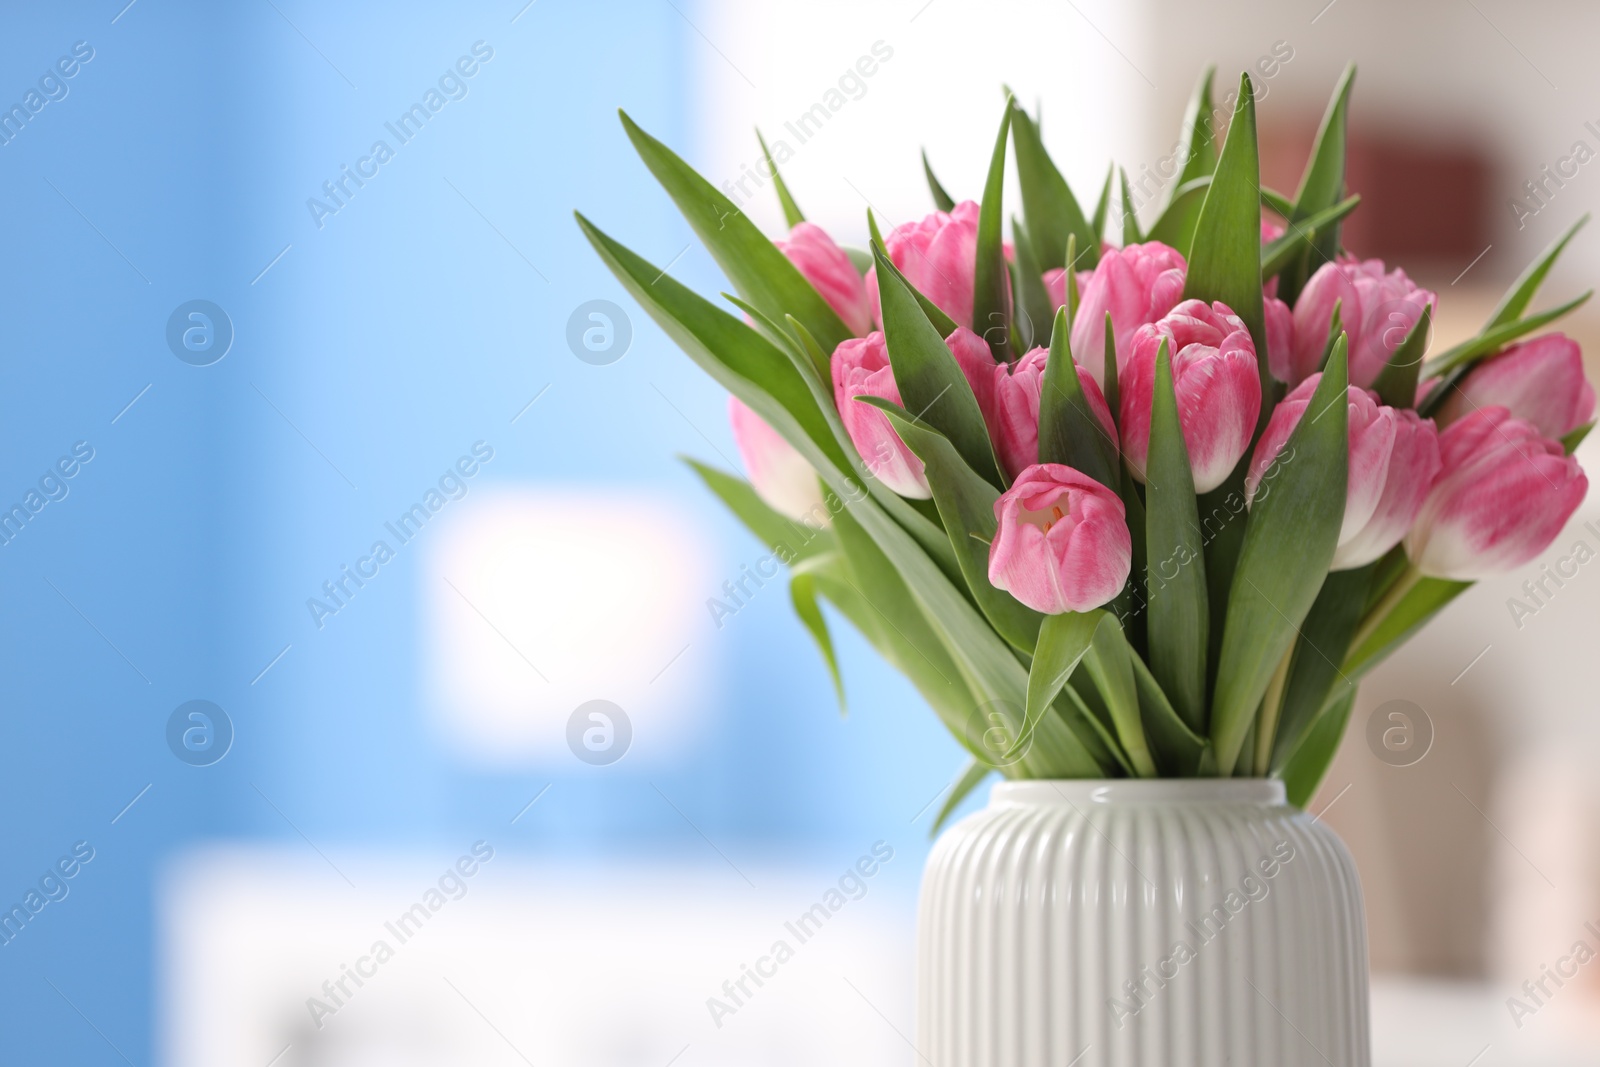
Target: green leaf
(1051,211)
(966,504)
(768,380)
(1572,440)
(1109,663)
(772,332)
(1111,388)
(991,300)
(942,323)
(941,199)
(1522,291)
(1289,541)
(1063,642)
(1315,675)
(1299,237)
(803,595)
(1321,186)
(1090,248)
(1222,522)
(758,270)
(1396,384)
(1304,770)
(1492,341)
(1033,303)
(791,211)
(1226,260)
(1177,615)
(1130,215)
(790,541)
(930,380)
(1197,145)
(1178,749)
(1277,203)
(1069,432)
(1421,600)
(972,776)
(1176,225)
(820,363)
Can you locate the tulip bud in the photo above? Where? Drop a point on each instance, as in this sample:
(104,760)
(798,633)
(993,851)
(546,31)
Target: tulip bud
(1540,381)
(1280,338)
(1394,458)
(1215,378)
(781,476)
(1137,284)
(829,270)
(1013,410)
(939,256)
(1376,309)
(861,368)
(1062,543)
(1503,494)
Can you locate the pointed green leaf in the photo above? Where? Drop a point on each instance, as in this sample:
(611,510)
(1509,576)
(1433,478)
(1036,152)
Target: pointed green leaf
(820,363)
(941,199)
(760,272)
(966,505)
(1321,186)
(1033,303)
(1299,237)
(1111,388)
(1070,278)
(1109,663)
(1178,750)
(767,379)
(1572,440)
(1304,770)
(790,541)
(942,323)
(1424,599)
(1396,384)
(1051,211)
(1315,672)
(1277,203)
(1089,249)
(972,776)
(1522,291)
(1130,216)
(803,595)
(1063,642)
(1176,225)
(791,211)
(1289,541)
(1226,260)
(929,378)
(772,332)
(1177,614)
(991,299)
(1069,432)
(1492,341)
(1197,145)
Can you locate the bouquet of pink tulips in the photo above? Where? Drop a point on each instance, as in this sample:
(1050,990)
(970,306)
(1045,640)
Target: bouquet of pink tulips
(1145,510)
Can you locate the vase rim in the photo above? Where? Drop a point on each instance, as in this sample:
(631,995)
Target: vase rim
(1265,792)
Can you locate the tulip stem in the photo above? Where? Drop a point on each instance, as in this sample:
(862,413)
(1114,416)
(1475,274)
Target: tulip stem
(1381,610)
(1271,708)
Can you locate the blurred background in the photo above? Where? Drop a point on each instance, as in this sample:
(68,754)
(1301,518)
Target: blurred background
(353,537)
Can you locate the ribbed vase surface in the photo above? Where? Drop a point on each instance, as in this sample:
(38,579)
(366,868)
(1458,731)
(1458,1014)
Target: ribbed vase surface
(1154,923)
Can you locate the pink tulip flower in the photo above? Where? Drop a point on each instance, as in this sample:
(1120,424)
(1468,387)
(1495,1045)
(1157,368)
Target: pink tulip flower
(1377,309)
(1063,542)
(1215,378)
(1137,284)
(1394,458)
(1502,496)
(861,368)
(938,255)
(1541,381)
(829,270)
(1013,409)
(781,476)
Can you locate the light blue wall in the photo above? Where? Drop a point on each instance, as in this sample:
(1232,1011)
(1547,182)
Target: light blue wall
(392,337)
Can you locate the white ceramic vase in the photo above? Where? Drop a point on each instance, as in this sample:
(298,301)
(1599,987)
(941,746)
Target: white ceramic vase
(1155,923)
